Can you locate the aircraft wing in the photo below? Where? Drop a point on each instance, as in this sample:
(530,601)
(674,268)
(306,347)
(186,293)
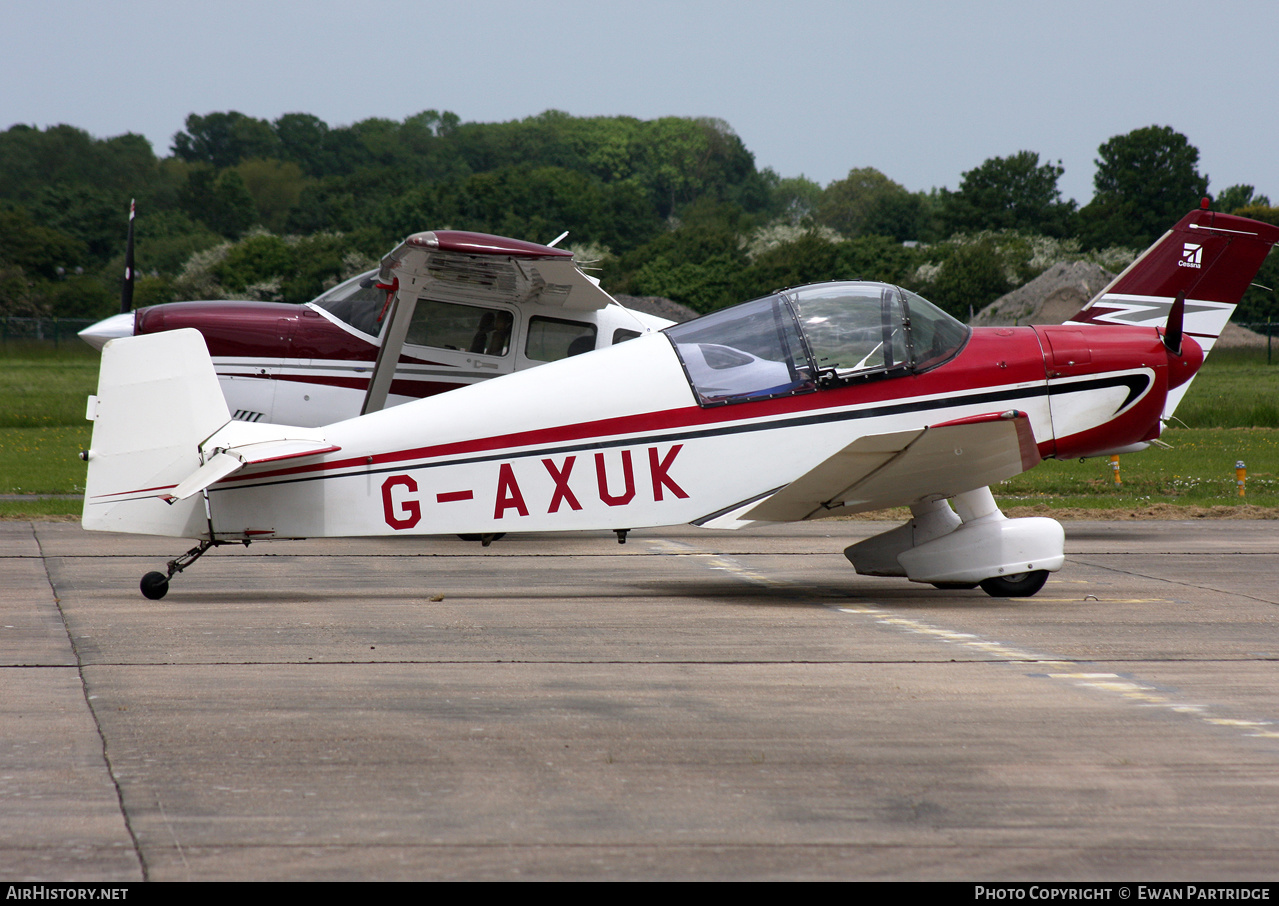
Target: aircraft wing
(452,265)
(886,470)
(457,266)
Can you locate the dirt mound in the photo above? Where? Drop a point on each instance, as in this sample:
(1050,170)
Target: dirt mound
(1051,298)
(656,305)
(1235,336)
(1061,291)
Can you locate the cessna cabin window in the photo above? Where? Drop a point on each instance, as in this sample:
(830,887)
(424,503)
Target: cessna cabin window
(358,302)
(468,328)
(824,335)
(551,339)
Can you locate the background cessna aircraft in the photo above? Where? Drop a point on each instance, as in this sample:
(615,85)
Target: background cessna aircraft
(824,400)
(479,306)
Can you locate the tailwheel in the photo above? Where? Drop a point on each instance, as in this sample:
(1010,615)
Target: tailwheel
(154,585)
(1017,585)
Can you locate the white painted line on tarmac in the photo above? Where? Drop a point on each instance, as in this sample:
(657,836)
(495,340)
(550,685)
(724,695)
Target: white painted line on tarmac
(1125,688)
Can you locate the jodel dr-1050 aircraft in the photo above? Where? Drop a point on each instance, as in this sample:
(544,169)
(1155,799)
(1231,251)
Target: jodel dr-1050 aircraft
(481,306)
(823,400)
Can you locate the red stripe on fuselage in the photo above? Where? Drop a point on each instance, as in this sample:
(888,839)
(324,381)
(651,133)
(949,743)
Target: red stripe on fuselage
(1011,355)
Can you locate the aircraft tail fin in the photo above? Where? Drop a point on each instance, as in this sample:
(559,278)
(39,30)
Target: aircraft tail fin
(1207,259)
(158,399)
(162,435)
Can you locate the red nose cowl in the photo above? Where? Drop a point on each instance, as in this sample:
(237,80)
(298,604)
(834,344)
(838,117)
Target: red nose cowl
(1182,368)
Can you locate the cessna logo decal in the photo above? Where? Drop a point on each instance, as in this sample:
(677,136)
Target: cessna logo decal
(1191,255)
(614,485)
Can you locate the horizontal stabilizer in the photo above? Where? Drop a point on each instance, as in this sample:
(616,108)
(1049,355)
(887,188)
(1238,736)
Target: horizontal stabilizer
(218,467)
(221,462)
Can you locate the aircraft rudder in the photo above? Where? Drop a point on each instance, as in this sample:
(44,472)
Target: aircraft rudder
(158,398)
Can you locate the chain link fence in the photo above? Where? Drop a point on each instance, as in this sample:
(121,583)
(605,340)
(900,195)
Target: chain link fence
(1268,329)
(42,331)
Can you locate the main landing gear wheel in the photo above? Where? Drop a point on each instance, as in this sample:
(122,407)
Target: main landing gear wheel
(485,540)
(1018,585)
(154,585)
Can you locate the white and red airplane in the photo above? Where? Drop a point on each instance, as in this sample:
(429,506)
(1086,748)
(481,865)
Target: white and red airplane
(823,400)
(482,306)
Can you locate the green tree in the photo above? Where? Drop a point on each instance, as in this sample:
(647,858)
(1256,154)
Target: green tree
(970,279)
(1015,192)
(31,160)
(276,187)
(794,199)
(1233,198)
(694,263)
(810,258)
(220,201)
(257,259)
(225,139)
(1146,180)
(304,140)
(37,249)
(683,160)
(80,296)
(868,203)
(1261,300)
(164,240)
(534,203)
(97,217)
(330,206)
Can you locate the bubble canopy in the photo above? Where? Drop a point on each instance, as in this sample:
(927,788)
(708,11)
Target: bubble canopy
(811,337)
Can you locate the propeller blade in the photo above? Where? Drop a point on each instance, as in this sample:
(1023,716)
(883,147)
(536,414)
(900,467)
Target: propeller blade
(126,289)
(1173,332)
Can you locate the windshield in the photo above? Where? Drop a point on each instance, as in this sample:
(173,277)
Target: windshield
(852,327)
(826,334)
(935,335)
(358,302)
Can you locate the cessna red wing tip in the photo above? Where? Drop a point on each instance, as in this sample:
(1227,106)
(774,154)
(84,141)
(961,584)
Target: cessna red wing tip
(445,309)
(823,400)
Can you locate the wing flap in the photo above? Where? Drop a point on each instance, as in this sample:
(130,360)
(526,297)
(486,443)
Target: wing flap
(898,469)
